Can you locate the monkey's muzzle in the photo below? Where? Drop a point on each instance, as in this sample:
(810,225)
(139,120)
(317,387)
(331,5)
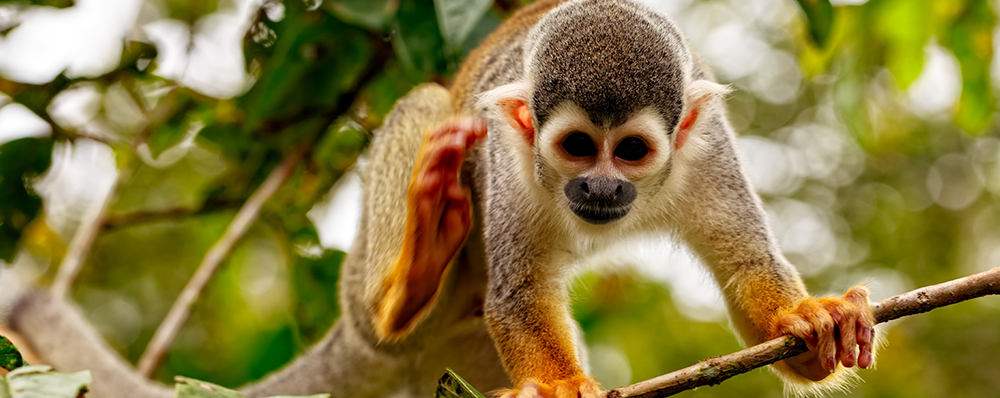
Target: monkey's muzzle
(600,200)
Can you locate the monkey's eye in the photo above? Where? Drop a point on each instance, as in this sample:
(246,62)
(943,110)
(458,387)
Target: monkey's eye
(579,144)
(631,148)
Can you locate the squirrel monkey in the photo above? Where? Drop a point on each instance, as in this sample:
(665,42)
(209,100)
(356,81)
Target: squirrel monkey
(602,125)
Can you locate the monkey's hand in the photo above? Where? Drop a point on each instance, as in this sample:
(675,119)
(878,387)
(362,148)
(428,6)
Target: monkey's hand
(438,219)
(836,330)
(579,387)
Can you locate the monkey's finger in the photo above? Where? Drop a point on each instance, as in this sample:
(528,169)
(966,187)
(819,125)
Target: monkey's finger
(866,355)
(462,124)
(796,325)
(847,353)
(455,223)
(530,390)
(822,323)
(844,316)
(472,130)
(446,129)
(426,201)
(448,156)
(478,130)
(858,295)
(429,185)
(566,391)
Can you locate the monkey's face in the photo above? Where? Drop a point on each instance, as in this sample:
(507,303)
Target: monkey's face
(603,170)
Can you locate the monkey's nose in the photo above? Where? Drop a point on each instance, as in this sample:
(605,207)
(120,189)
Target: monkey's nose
(600,191)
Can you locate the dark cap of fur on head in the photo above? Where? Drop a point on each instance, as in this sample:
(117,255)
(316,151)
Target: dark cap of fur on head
(611,58)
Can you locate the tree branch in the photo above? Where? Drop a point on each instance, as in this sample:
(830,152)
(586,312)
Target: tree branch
(715,370)
(181,309)
(79,246)
(85,235)
(137,217)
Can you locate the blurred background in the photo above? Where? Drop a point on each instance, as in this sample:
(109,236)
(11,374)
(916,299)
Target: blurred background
(132,131)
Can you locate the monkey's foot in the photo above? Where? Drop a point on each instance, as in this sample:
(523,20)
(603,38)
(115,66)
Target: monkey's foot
(438,205)
(438,219)
(836,330)
(579,387)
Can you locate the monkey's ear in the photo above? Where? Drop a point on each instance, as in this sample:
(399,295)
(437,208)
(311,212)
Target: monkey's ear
(700,98)
(519,117)
(510,102)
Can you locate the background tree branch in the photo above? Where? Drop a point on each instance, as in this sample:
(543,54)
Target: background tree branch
(715,370)
(181,309)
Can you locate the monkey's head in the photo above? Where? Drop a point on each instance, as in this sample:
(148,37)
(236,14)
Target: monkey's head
(606,107)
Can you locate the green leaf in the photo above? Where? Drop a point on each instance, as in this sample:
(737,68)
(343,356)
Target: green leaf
(182,127)
(457,19)
(905,25)
(487,24)
(22,160)
(371,14)
(10,357)
(45,3)
(819,18)
(4,388)
(389,85)
(451,385)
(305,396)
(43,382)
(970,38)
(417,41)
(315,60)
(191,388)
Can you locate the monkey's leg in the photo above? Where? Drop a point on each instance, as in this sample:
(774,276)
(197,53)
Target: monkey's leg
(438,219)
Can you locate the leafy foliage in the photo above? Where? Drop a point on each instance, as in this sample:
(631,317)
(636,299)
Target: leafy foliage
(10,357)
(191,388)
(24,160)
(452,385)
(820,16)
(43,382)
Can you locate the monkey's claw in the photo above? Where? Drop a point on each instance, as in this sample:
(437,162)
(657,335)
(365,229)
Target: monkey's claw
(579,387)
(836,330)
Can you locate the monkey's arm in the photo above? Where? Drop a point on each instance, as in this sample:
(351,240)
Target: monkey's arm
(765,295)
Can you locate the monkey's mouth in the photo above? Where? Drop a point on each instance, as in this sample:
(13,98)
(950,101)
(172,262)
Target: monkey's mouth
(599,214)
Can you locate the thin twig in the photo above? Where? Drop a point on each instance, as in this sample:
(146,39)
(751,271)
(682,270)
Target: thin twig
(137,217)
(181,309)
(85,235)
(83,239)
(715,370)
